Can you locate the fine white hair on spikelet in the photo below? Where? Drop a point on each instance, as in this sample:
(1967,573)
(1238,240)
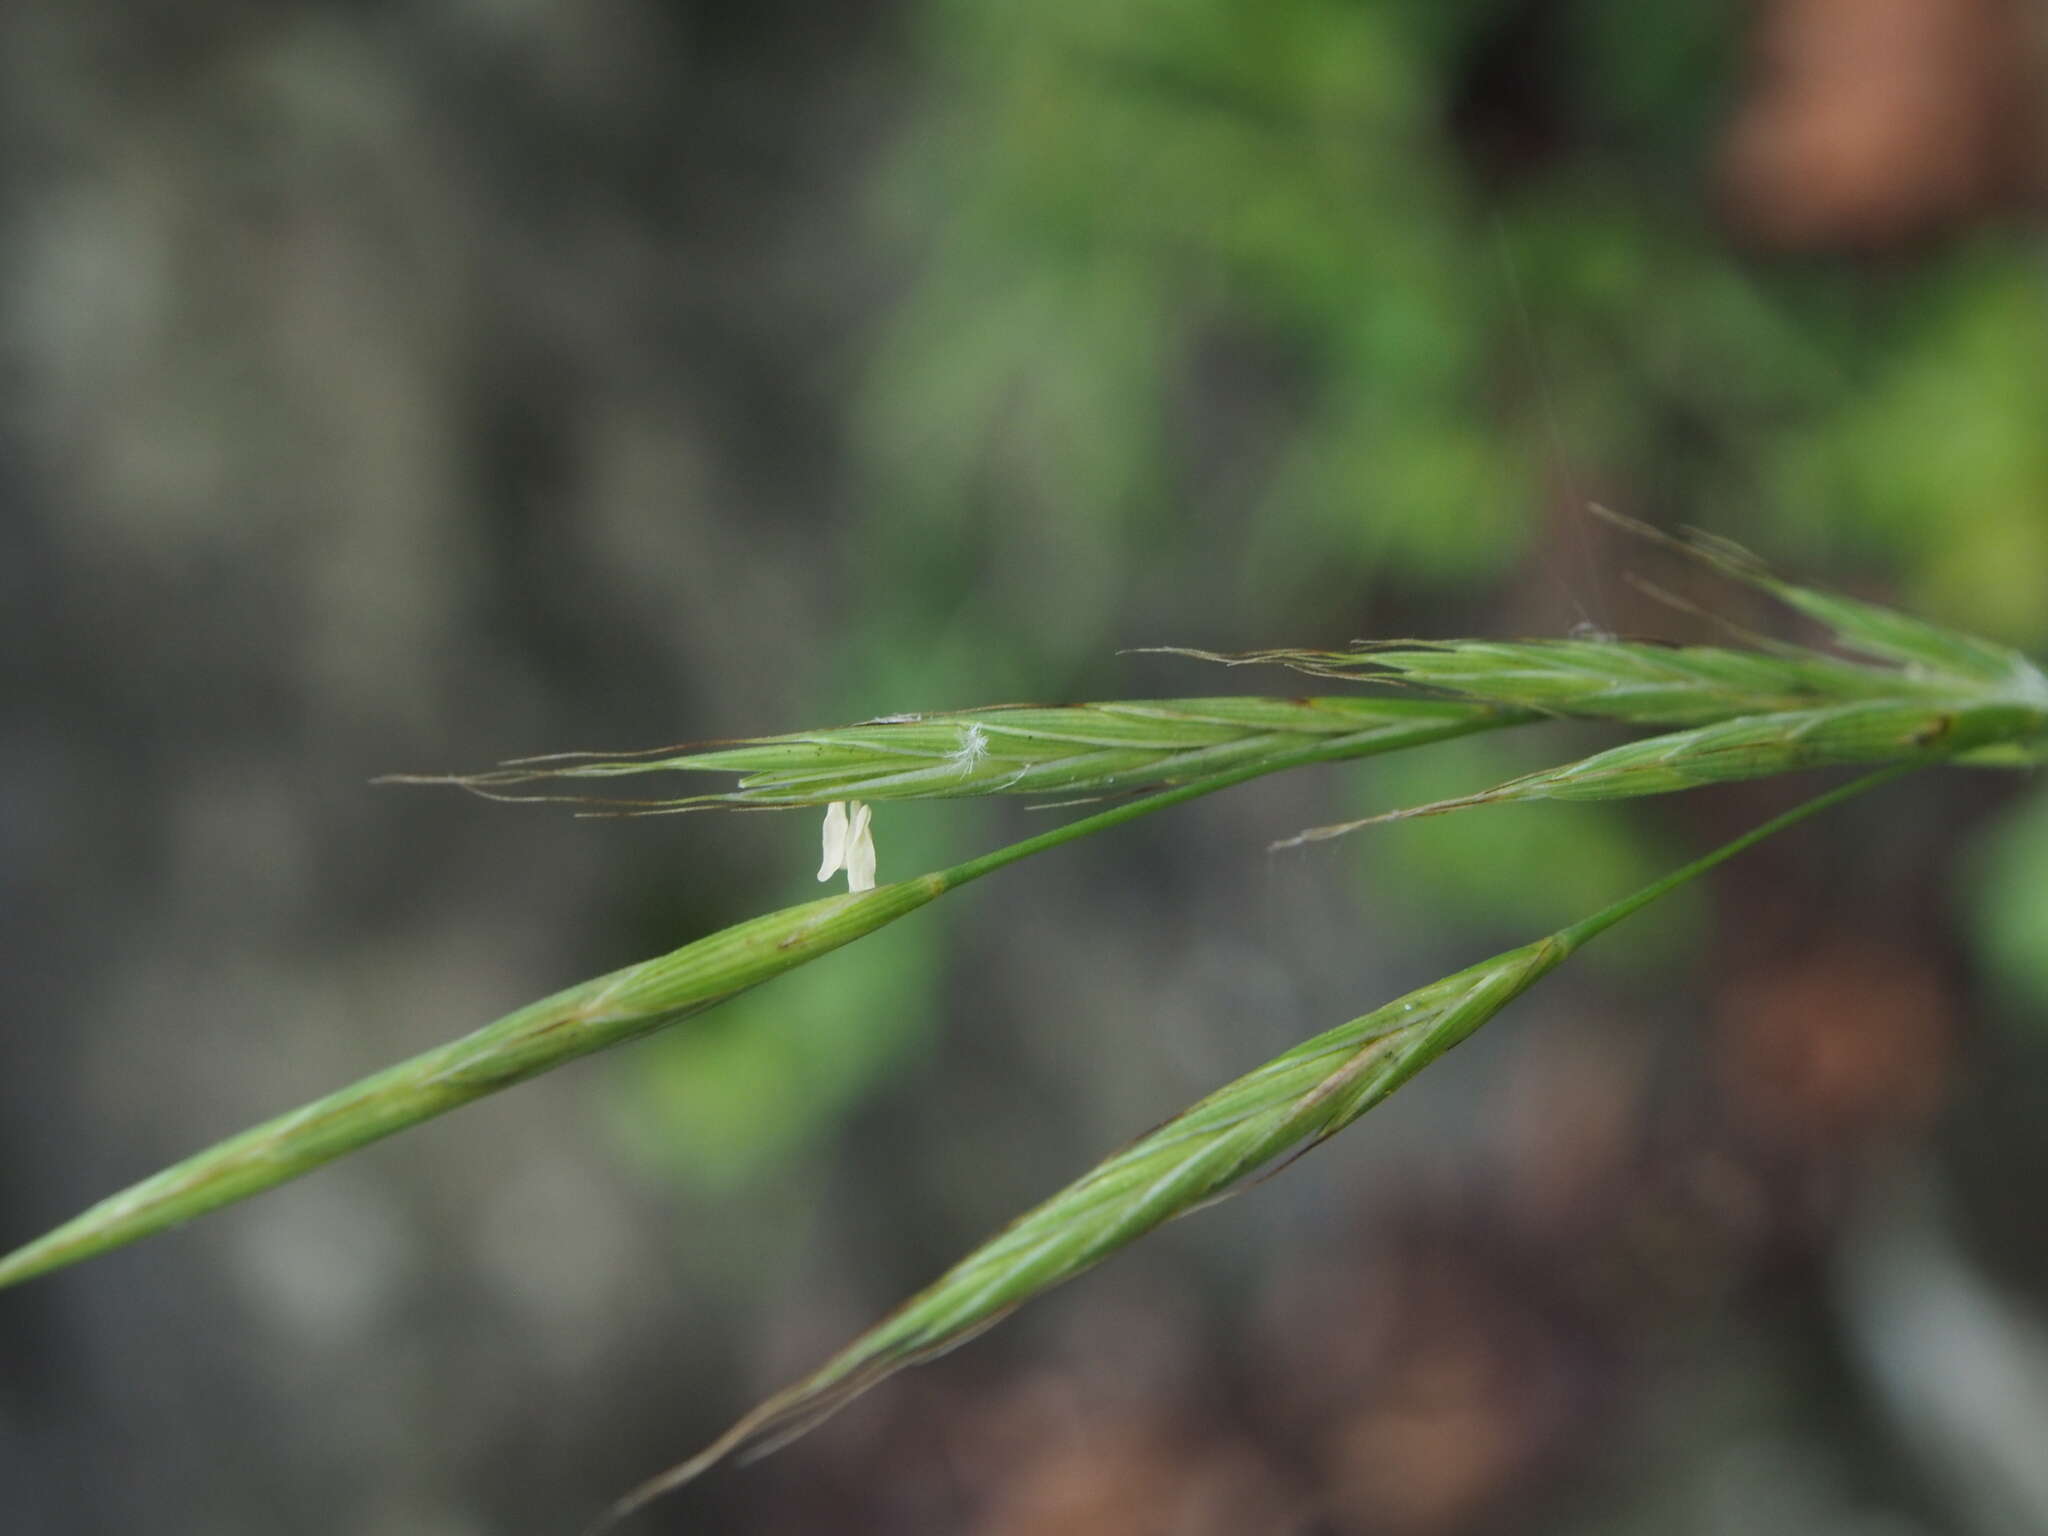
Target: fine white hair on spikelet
(973,747)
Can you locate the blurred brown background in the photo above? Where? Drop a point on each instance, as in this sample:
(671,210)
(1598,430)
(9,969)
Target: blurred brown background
(405,386)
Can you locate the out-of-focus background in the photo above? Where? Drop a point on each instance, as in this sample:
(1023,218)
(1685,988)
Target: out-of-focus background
(406,386)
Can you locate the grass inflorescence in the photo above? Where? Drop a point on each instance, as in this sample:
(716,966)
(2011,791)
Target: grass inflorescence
(1894,694)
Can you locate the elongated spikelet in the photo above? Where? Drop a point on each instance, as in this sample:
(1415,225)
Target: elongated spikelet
(1622,680)
(1851,735)
(1640,683)
(1289,1104)
(1937,696)
(1084,750)
(604,1011)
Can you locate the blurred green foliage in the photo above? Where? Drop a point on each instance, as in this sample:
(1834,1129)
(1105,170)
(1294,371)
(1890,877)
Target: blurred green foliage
(1934,454)
(772,1073)
(1476,865)
(767,1077)
(2006,891)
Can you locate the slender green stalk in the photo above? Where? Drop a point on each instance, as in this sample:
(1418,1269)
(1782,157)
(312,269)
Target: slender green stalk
(1281,1109)
(608,1011)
